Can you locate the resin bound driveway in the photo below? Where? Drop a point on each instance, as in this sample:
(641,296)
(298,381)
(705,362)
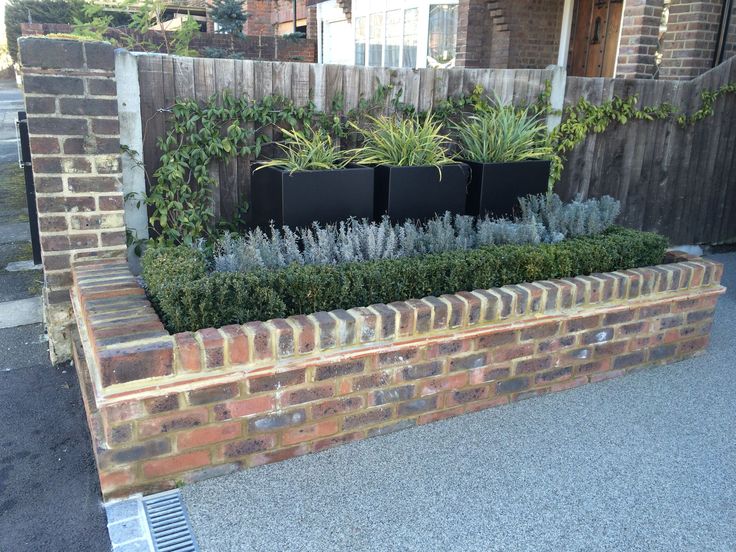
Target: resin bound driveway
(645,462)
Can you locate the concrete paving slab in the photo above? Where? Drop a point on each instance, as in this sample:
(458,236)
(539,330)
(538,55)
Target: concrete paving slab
(21,312)
(15,232)
(641,463)
(22,266)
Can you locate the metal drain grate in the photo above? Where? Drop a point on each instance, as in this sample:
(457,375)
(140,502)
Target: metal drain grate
(169,523)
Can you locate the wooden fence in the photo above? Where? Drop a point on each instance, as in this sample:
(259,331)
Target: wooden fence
(680,182)
(675,181)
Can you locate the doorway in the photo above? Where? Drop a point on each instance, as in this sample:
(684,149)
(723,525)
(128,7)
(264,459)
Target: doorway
(594,47)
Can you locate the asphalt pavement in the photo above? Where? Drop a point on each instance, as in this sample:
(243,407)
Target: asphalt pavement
(646,462)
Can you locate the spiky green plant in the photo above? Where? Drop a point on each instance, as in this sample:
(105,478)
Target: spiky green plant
(502,134)
(307,150)
(409,142)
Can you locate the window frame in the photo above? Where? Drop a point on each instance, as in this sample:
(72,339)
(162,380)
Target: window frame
(363,8)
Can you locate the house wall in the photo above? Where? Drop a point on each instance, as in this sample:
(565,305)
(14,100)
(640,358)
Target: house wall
(518,34)
(639,39)
(690,39)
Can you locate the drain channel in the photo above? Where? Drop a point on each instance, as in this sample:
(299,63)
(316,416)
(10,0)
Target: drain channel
(169,523)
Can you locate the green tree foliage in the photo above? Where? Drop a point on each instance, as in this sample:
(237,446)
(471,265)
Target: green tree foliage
(229,16)
(39,11)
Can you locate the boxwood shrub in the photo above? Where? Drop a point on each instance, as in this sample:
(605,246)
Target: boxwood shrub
(190,298)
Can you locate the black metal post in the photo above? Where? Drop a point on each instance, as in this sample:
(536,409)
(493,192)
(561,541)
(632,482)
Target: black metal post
(24,160)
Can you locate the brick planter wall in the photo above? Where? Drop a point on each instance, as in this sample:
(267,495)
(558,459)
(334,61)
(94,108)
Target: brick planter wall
(164,409)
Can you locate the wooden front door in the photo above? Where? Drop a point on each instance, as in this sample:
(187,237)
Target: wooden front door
(594,44)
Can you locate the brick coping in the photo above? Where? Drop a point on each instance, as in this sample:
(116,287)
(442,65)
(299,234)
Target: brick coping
(131,355)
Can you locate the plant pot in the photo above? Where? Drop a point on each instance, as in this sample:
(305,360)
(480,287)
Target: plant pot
(303,197)
(495,188)
(420,193)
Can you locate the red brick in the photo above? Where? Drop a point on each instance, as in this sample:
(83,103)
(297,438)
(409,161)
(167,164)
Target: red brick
(338,406)
(455,381)
(512,352)
(136,361)
(582,322)
(214,348)
(441,415)
(110,481)
(246,407)
(337,440)
(237,345)
(308,433)
(207,435)
(188,352)
(184,419)
(175,464)
(277,455)
(540,331)
(497,339)
(262,340)
(307,394)
(259,384)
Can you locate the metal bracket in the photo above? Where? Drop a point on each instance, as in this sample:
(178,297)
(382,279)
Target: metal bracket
(22,163)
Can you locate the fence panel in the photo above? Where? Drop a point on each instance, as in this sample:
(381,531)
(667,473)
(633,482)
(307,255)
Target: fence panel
(164,79)
(676,181)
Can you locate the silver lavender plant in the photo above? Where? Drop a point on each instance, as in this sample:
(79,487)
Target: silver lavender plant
(544,219)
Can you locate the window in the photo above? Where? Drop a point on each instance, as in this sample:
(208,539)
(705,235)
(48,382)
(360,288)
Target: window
(360,39)
(394,33)
(411,26)
(375,39)
(393,38)
(441,35)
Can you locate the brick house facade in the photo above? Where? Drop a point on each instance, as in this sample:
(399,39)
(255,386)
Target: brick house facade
(668,39)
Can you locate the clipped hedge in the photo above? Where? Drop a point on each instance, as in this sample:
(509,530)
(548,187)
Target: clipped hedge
(189,298)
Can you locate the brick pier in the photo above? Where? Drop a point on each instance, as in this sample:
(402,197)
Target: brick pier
(71,101)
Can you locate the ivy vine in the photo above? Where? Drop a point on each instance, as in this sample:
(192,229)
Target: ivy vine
(226,127)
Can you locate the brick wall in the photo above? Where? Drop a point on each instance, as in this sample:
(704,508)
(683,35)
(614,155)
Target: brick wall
(690,39)
(71,101)
(260,14)
(535,27)
(164,409)
(474,34)
(269,48)
(639,39)
(519,34)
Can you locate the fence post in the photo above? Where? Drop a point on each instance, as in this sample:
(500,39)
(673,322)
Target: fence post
(557,96)
(131,141)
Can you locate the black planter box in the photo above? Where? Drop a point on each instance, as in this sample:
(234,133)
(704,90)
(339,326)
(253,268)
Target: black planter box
(418,193)
(495,188)
(303,197)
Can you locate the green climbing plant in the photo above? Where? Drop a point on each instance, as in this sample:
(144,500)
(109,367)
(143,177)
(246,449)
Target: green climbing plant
(226,127)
